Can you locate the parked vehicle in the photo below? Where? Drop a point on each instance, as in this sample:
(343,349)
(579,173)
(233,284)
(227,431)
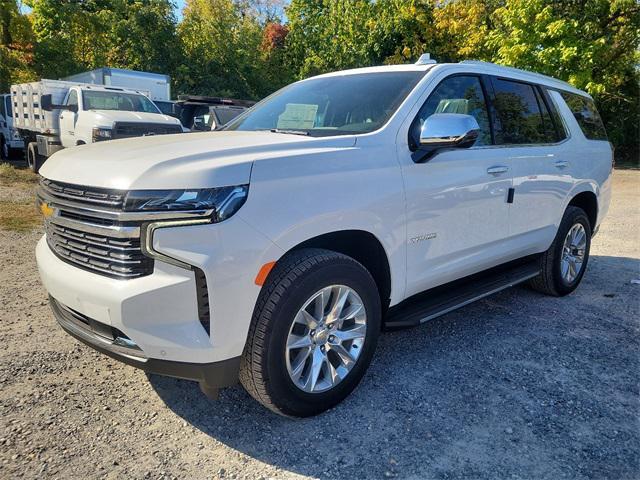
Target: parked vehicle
(203,113)
(10,139)
(53,114)
(168,107)
(275,251)
(157,85)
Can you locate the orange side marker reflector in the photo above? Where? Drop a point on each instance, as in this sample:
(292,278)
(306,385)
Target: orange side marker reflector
(264,273)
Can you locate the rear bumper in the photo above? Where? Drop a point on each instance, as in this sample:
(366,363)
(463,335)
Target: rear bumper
(108,341)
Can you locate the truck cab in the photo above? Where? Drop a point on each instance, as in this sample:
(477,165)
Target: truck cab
(10,139)
(92,114)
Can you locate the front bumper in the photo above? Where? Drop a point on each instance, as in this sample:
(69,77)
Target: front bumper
(113,343)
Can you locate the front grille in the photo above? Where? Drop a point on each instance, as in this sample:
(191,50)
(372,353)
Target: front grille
(115,257)
(137,129)
(101,197)
(85,231)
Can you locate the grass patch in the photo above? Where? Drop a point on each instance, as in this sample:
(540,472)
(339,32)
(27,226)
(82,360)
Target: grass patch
(11,176)
(19,217)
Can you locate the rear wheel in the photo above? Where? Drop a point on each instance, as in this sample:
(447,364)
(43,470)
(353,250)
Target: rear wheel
(563,265)
(313,333)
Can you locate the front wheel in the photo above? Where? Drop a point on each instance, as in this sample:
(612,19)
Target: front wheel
(563,265)
(313,333)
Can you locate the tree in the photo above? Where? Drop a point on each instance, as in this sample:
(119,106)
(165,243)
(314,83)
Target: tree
(75,36)
(16,46)
(593,44)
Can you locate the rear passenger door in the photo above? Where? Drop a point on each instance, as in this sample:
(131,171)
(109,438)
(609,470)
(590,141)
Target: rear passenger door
(530,130)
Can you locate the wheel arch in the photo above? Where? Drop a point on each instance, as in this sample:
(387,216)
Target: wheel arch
(587,201)
(364,247)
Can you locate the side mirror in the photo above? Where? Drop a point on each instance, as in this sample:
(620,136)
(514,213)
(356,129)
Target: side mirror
(446,130)
(46,103)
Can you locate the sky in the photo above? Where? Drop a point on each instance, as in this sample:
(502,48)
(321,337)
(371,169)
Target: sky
(179,7)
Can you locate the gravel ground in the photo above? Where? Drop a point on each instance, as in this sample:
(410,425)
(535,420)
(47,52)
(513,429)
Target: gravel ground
(515,386)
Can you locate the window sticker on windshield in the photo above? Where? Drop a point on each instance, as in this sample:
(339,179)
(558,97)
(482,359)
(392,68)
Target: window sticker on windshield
(298,116)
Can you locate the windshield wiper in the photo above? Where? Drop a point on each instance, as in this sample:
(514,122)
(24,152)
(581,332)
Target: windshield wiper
(291,132)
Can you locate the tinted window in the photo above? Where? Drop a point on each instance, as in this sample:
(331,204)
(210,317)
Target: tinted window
(584,111)
(335,105)
(561,132)
(548,127)
(520,115)
(9,111)
(2,104)
(459,94)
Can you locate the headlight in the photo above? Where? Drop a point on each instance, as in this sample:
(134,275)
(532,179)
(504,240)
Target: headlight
(100,134)
(15,134)
(224,201)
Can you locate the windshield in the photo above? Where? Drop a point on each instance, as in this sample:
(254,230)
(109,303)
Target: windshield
(129,102)
(337,105)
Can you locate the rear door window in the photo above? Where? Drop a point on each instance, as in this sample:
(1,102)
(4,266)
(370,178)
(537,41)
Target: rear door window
(585,112)
(521,114)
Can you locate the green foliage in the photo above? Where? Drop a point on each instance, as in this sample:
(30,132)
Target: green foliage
(240,48)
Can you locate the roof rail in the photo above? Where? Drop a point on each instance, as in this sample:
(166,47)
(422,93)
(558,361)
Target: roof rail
(516,70)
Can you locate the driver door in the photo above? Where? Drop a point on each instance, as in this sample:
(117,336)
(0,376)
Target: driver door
(457,210)
(68,117)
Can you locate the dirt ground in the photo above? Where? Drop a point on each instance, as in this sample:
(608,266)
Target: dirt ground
(517,386)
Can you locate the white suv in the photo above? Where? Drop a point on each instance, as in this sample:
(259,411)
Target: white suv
(275,251)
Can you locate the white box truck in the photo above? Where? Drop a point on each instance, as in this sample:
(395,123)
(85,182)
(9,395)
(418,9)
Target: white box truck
(55,114)
(157,84)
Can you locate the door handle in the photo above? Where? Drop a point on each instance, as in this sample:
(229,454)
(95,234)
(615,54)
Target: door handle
(497,170)
(562,164)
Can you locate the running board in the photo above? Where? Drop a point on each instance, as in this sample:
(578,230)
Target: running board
(443,299)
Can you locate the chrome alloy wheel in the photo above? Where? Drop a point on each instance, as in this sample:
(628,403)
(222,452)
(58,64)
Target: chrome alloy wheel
(326,338)
(573,253)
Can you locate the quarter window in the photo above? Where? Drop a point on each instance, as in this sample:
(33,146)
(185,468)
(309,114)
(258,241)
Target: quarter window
(459,94)
(584,111)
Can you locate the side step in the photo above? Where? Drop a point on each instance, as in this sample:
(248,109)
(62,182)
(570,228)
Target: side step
(428,305)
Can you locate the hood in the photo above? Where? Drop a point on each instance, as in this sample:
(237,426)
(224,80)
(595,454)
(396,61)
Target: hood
(188,160)
(105,118)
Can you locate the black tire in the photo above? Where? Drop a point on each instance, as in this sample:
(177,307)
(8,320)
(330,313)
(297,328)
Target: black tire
(5,152)
(550,280)
(34,160)
(293,280)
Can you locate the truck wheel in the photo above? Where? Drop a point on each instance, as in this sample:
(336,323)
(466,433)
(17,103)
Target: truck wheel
(564,263)
(4,150)
(313,333)
(34,160)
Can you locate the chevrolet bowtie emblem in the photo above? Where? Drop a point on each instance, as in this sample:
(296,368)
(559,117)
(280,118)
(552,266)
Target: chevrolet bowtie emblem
(46,210)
